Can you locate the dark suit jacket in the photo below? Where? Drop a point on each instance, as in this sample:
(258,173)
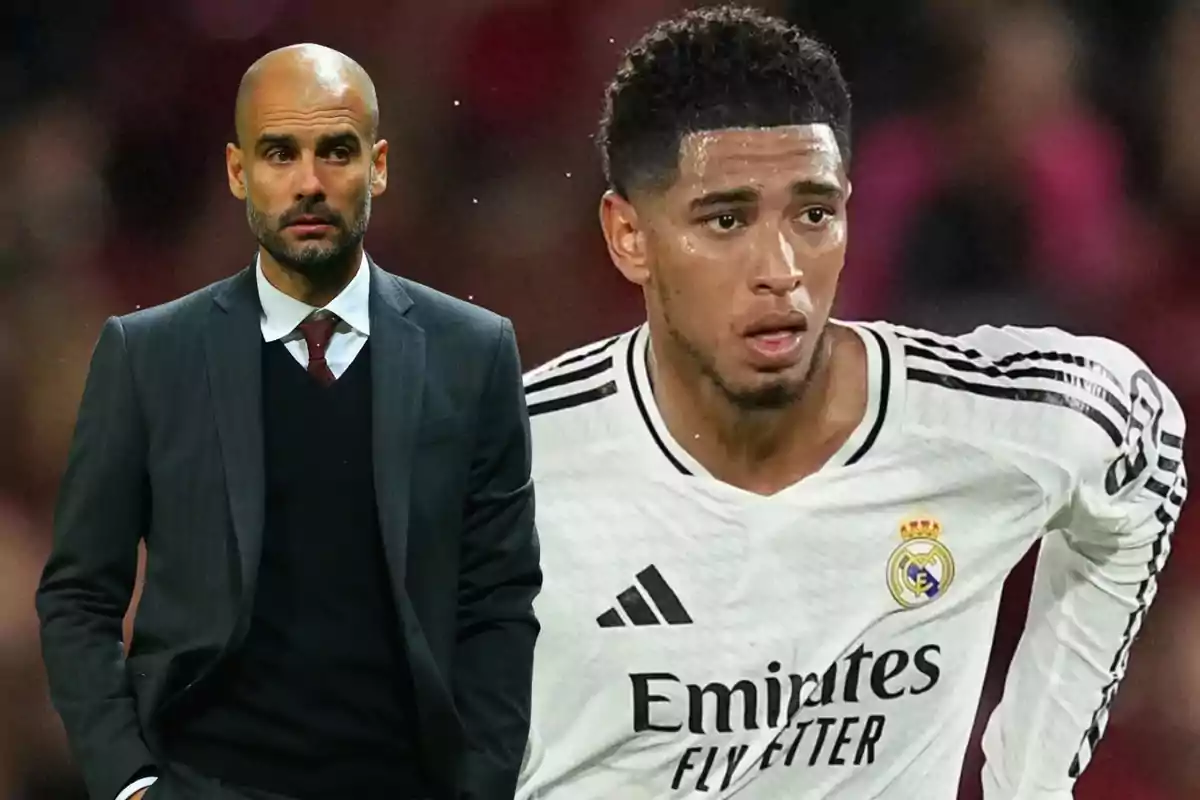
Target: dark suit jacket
(169,447)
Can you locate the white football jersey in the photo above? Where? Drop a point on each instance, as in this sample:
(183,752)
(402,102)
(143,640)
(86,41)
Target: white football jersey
(831,640)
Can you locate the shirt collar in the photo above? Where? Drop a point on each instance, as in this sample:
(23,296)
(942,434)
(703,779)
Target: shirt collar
(281,313)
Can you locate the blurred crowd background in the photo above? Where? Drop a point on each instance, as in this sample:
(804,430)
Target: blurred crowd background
(1033,162)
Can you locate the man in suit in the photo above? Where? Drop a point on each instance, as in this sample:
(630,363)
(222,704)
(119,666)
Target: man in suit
(330,468)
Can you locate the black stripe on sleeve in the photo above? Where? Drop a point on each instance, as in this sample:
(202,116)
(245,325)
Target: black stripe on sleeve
(594,351)
(1015,358)
(1091,738)
(565,378)
(996,370)
(1020,394)
(572,400)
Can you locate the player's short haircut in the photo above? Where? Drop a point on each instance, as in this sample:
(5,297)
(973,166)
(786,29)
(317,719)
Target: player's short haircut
(714,69)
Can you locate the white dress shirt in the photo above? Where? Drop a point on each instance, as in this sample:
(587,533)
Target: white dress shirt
(280,316)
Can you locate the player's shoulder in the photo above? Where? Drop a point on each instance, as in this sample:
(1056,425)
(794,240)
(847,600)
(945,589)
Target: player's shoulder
(580,407)
(572,386)
(1004,345)
(1045,390)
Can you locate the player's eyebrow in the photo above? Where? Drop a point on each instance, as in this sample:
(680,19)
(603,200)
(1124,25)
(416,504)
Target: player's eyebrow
(730,197)
(817,188)
(804,188)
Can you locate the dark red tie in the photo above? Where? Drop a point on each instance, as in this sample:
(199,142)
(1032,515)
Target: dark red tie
(317,333)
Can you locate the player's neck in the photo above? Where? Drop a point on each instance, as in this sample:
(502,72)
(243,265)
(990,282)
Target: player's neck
(765,451)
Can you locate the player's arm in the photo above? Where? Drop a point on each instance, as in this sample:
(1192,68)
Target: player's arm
(500,577)
(1096,577)
(89,579)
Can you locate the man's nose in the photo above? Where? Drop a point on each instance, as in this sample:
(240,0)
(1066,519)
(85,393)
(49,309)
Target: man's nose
(308,179)
(776,269)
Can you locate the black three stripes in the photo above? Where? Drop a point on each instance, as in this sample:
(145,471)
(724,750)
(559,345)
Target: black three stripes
(972,363)
(557,379)
(639,611)
(1100,407)
(1166,515)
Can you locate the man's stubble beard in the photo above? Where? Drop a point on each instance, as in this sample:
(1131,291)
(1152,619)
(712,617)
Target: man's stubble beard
(323,267)
(776,395)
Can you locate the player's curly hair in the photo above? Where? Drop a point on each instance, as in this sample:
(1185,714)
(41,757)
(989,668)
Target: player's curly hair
(711,69)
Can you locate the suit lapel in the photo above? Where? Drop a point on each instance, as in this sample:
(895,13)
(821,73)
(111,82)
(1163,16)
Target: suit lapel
(397,378)
(398,384)
(233,348)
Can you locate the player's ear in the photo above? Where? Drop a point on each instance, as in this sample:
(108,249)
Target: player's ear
(235,171)
(625,238)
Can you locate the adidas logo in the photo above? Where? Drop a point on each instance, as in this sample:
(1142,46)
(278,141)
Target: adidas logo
(639,611)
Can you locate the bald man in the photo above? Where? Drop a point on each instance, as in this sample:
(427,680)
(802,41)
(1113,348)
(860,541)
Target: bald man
(330,468)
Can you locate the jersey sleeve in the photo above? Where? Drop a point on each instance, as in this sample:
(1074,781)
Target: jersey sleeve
(1095,580)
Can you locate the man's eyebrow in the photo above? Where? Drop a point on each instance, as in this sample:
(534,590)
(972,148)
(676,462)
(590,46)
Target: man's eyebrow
(325,141)
(818,188)
(727,197)
(275,140)
(332,139)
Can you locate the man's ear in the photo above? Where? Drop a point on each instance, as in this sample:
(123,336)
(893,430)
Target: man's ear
(235,171)
(379,168)
(625,237)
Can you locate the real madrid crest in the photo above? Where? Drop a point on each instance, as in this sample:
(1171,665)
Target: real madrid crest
(920,569)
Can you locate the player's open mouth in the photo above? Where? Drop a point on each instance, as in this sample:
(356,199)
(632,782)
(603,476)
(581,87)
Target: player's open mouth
(777,339)
(779,344)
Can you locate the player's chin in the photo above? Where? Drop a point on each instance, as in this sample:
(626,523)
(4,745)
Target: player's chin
(768,391)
